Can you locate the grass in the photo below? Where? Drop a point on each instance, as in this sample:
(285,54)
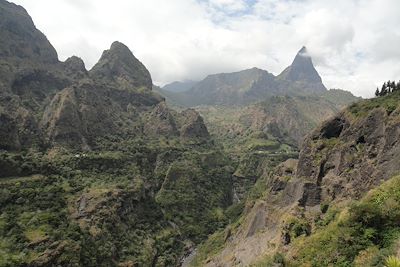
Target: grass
(262,144)
(209,248)
(36,235)
(389,103)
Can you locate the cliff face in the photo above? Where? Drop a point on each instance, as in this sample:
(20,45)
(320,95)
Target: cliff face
(19,37)
(339,161)
(119,65)
(301,75)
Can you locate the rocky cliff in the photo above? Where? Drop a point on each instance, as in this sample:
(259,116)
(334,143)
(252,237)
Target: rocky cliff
(340,161)
(301,75)
(61,103)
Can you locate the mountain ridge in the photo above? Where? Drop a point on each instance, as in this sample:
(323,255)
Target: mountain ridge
(251,85)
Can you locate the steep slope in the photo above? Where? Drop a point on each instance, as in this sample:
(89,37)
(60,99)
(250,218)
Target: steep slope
(19,37)
(119,65)
(103,103)
(29,72)
(301,76)
(298,214)
(287,118)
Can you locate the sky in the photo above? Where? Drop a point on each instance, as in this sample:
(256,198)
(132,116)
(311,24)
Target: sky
(355,44)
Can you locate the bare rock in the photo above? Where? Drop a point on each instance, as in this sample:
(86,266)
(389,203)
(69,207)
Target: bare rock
(118,64)
(193,125)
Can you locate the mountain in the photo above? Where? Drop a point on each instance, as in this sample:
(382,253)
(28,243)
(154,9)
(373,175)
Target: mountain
(226,88)
(178,87)
(335,205)
(288,118)
(120,65)
(20,40)
(301,75)
(95,168)
(248,86)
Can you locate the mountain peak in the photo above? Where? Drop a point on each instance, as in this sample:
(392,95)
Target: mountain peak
(119,48)
(302,70)
(120,65)
(303,50)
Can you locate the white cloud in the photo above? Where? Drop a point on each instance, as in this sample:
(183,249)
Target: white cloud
(230,6)
(354,44)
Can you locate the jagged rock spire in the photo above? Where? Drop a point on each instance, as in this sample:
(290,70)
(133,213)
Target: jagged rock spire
(119,64)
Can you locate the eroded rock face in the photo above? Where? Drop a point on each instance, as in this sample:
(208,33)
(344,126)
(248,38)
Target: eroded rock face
(75,67)
(19,37)
(366,146)
(18,126)
(301,75)
(121,66)
(79,114)
(302,68)
(73,107)
(193,125)
(161,122)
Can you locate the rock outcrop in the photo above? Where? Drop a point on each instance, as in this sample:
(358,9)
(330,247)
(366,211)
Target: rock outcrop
(161,122)
(193,125)
(19,38)
(119,65)
(340,160)
(301,75)
(61,103)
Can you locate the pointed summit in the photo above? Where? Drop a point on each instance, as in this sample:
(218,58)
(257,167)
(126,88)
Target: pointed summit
(302,71)
(120,65)
(302,50)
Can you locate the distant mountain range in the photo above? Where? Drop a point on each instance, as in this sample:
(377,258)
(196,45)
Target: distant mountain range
(179,87)
(237,106)
(248,86)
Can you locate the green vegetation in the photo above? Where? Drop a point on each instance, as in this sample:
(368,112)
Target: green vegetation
(388,101)
(388,88)
(132,202)
(210,247)
(392,261)
(262,144)
(369,227)
(191,199)
(278,260)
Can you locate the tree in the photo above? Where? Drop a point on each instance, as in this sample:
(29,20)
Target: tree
(377,92)
(383,90)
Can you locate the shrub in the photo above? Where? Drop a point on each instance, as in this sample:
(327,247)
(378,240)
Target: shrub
(392,261)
